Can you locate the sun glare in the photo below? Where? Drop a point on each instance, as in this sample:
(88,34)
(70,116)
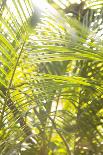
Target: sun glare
(43,5)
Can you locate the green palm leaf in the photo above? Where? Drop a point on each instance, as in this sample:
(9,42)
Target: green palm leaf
(49,83)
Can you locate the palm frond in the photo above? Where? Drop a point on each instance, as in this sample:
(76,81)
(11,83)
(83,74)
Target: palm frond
(46,65)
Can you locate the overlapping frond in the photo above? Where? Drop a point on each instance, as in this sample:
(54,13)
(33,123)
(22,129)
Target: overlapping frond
(49,85)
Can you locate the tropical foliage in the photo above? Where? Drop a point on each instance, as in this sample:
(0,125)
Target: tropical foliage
(51,63)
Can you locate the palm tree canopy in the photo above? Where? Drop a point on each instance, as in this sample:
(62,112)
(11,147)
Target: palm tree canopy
(51,62)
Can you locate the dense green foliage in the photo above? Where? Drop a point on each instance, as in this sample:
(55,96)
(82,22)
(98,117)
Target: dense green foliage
(51,63)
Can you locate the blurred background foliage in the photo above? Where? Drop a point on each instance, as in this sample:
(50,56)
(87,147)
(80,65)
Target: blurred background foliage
(51,63)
